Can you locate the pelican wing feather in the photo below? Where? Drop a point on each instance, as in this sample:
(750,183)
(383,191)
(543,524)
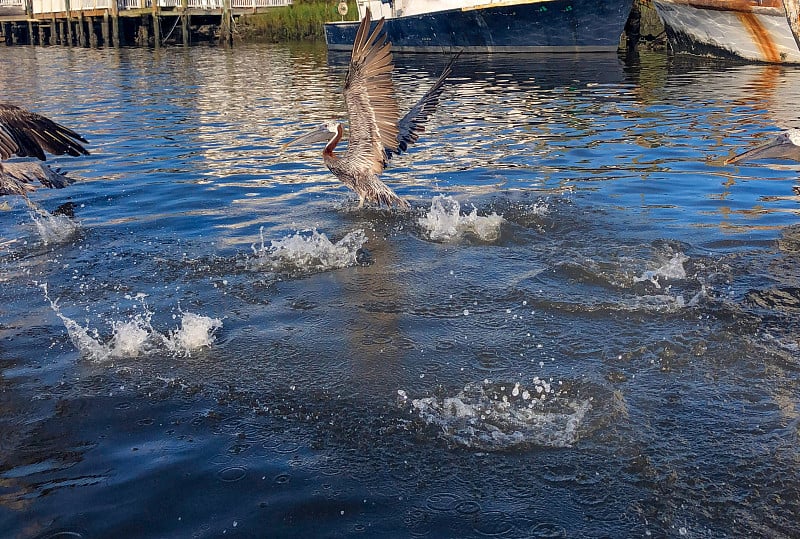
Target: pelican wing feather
(412,124)
(369,97)
(20,178)
(27,134)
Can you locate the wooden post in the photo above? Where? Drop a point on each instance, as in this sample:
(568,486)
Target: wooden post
(94,40)
(115,33)
(185,22)
(225,30)
(69,25)
(29,14)
(156,25)
(105,26)
(42,36)
(144,34)
(7,32)
(55,35)
(81,30)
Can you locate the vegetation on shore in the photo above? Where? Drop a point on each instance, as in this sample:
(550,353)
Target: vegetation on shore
(303,20)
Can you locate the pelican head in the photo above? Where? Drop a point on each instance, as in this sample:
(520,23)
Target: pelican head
(321,133)
(784,146)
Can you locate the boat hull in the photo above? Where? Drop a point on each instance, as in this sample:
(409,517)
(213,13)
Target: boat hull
(743,30)
(551,26)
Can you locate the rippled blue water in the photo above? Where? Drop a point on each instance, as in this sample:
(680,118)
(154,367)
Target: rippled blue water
(621,360)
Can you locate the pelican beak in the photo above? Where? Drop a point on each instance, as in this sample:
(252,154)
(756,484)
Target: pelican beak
(778,148)
(318,134)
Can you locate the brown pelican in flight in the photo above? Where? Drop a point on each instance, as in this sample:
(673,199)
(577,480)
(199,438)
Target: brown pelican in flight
(784,146)
(27,134)
(376,129)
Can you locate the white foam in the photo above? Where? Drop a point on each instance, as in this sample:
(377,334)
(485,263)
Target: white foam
(136,336)
(671,270)
(54,228)
(309,251)
(132,337)
(196,332)
(498,416)
(444,221)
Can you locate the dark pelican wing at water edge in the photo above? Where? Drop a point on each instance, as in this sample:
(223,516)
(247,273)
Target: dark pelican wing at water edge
(785,146)
(376,130)
(27,134)
(22,177)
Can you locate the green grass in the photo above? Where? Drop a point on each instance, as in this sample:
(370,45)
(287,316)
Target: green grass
(302,21)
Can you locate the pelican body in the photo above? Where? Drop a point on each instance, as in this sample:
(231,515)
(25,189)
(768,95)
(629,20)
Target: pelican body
(785,146)
(27,134)
(376,129)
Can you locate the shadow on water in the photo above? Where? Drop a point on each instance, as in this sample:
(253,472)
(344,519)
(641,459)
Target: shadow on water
(586,326)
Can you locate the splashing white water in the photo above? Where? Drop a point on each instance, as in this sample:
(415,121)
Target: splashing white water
(671,270)
(54,228)
(136,336)
(309,251)
(444,221)
(497,416)
(196,331)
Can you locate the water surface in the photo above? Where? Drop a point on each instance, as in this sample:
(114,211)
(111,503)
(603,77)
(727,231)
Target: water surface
(587,326)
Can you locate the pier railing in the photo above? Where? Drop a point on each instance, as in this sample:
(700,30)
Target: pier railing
(59,6)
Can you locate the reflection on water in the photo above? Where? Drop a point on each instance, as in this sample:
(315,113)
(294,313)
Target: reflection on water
(585,326)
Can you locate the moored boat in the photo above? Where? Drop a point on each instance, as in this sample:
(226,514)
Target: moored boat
(486,26)
(752,30)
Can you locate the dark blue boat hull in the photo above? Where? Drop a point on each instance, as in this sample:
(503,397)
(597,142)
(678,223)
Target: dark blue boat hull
(556,26)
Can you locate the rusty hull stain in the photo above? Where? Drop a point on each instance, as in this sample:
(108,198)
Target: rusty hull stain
(760,36)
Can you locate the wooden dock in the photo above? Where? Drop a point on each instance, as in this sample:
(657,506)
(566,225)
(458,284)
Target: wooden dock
(114,23)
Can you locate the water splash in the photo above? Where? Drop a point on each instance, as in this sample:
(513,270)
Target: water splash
(136,336)
(308,252)
(499,416)
(671,270)
(444,221)
(196,332)
(53,229)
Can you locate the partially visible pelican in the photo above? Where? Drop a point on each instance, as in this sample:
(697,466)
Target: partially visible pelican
(21,177)
(27,134)
(376,129)
(784,146)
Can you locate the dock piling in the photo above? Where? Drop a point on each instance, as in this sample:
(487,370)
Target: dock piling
(185,22)
(225,27)
(105,28)
(69,25)
(156,26)
(115,32)
(82,38)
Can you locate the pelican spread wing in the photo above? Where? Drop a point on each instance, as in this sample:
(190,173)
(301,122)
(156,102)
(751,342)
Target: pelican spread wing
(369,96)
(20,178)
(27,134)
(412,124)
